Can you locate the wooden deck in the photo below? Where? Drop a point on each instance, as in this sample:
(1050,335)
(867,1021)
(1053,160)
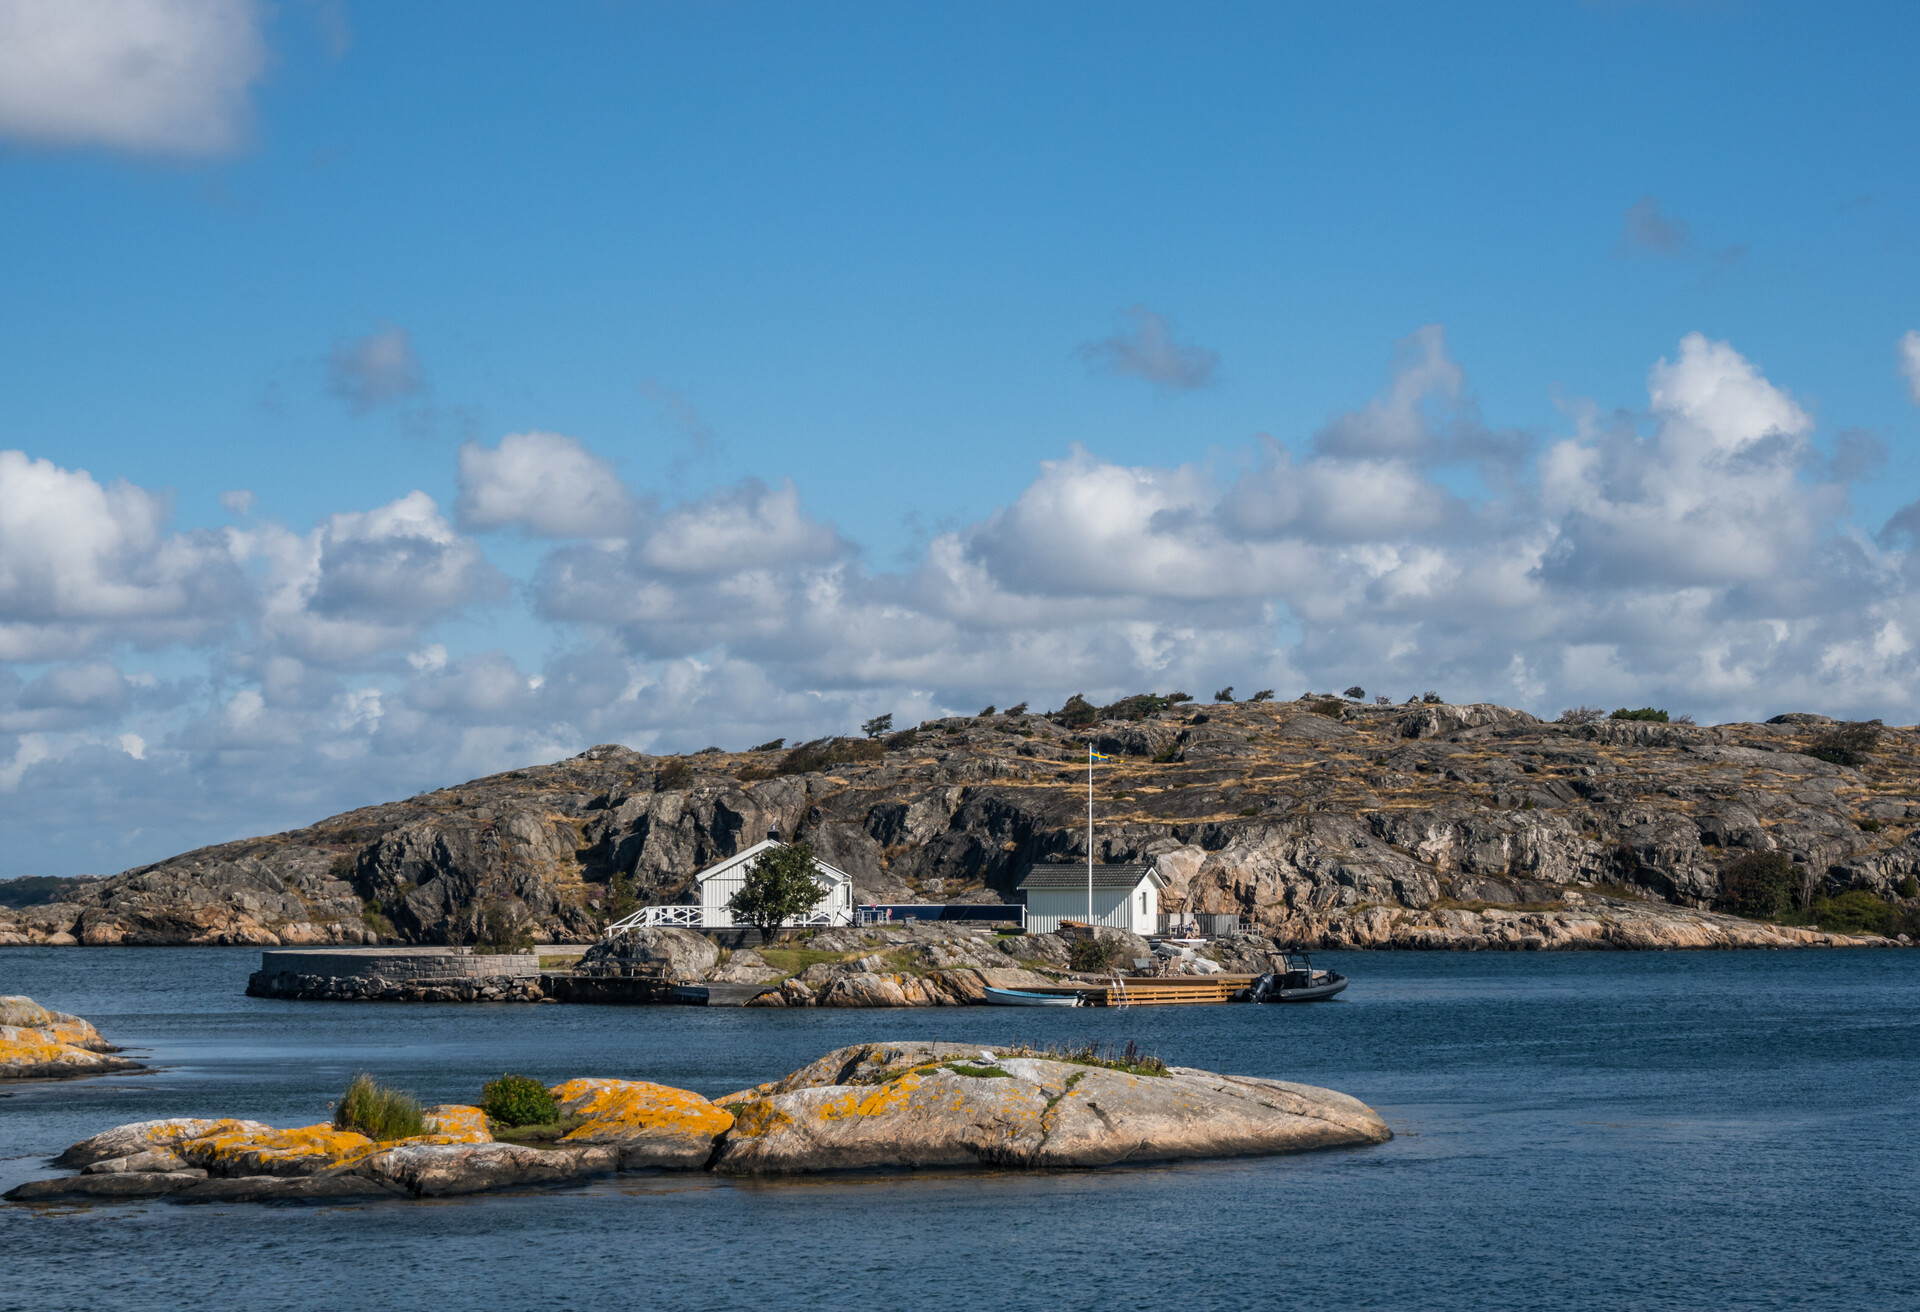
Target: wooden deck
(1155,990)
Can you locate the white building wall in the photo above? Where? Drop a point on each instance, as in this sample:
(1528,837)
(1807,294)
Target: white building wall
(1047,907)
(718,891)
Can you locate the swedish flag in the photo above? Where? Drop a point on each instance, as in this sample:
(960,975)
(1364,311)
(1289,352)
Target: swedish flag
(1096,756)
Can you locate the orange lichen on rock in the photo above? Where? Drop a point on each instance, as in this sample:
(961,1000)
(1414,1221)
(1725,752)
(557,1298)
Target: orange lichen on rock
(615,1109)
(744,1095)
(874,1101)
(25,1052)
(452,1123)
(308,1150)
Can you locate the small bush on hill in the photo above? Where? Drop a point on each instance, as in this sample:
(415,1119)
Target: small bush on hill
(825,753)
(1432,698)
(897,741)
(878,725)
(1264,695)
(1225,694)
(1137,707)
(1647,713)
(984,714)
(1582,715)
(772,745)
(379,1113)
(518,1100)
(1175,698)
(1847,744)
(1076,712)
(1018,708)
(672,774)
(1356,692)
(1331,707)
(1909,887)
(1759,886)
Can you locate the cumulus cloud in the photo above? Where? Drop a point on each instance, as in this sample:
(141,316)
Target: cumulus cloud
(1650,229)
(375,370)
(162,76)
(1145,348)
(82,563)
(1910,362)
(546,483)
(1695,551)
(363,583)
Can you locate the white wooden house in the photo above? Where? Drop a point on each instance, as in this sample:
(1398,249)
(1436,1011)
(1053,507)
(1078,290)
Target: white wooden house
(715,886)
(1124,897)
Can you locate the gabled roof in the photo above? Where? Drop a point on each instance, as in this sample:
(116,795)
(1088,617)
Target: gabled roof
(821,870)
(1064,876)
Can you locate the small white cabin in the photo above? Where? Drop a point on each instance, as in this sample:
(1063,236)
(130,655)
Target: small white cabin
(1124,897)
(718,883)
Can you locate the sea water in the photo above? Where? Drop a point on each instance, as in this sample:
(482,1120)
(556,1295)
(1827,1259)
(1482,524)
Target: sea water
(1605,1130)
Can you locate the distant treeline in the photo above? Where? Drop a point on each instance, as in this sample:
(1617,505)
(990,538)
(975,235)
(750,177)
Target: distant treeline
(38,890)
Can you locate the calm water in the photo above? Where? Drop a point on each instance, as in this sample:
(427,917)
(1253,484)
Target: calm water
(1609,1131)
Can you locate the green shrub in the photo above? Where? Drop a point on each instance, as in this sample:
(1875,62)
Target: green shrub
(1432,698)
(1331,707)
(878,726)
(1225,694)
(1175,698)
(1759,885)
(1357,693)
(1846,744)
(1871,826)
(674,774)
(1093,954)
(502,930)
(1582,715)
(1018,708)
(1137,707)
(772,745)
(1647,713)
(518,1100)
(1076,712)
(379,1113)
(1264,695)
(825,753)
(1910,887)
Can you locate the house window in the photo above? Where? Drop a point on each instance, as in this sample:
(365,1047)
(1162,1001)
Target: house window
(1143,901)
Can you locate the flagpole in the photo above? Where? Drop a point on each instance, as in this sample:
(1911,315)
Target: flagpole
(1089,836)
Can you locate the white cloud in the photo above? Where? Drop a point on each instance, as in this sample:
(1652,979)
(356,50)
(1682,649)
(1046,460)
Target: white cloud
(1910,362)
(1146,348)
(1696,554)
(133,745)
(81,564)
(546,483)
(375,370)
(239,502)
(162,76)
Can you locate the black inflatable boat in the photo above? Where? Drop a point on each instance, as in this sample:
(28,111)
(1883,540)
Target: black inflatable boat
(1293,979)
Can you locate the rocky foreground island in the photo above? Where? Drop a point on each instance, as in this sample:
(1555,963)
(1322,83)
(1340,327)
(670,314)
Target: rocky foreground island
(38,1044)
(1320,821)
(871,1107)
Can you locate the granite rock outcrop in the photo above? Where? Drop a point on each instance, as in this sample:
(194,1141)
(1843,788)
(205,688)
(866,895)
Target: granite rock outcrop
(1307,818)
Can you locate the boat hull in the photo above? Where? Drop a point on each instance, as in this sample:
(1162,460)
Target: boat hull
(1021,998)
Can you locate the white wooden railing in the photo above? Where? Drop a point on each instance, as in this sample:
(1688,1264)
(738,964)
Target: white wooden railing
(691,917)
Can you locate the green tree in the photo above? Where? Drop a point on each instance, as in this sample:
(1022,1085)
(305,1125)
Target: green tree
(779,886)
(878,725)
(1758,885)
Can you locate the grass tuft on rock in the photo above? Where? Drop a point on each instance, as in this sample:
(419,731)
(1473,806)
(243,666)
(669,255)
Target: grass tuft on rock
(380,1113)
(1131,1059)
(515,1100)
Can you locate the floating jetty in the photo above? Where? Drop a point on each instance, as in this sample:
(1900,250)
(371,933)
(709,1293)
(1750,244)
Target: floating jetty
(1153,990)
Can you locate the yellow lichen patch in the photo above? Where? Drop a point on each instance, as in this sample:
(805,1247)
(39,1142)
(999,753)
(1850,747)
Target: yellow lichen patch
(758,1117)
(303,1151)
(614,1109)
(24,1047)
(871,1102)
(451,1123)
(743,1095)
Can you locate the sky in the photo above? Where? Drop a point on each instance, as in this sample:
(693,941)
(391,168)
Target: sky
(394,394)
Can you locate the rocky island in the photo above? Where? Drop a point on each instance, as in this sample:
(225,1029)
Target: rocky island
(38,1044)
(892,1106)
(1320,822)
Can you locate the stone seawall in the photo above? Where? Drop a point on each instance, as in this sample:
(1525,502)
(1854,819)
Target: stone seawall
(385,975)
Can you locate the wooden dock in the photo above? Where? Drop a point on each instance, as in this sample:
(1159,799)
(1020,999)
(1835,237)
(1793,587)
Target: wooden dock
(1154,990)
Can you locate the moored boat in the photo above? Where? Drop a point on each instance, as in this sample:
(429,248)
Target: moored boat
(1293,979)
(1023,998)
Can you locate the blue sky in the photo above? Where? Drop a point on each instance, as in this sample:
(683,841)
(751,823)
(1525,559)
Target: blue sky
(912,357)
